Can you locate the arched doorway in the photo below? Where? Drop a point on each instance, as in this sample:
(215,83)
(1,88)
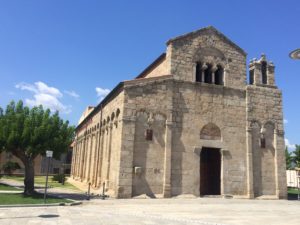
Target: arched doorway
(210,161)
(210,171)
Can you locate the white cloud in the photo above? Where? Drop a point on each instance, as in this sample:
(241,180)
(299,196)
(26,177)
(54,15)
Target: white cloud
(285,121)
(290,146)
(72,94)
(101,93)
(44,95)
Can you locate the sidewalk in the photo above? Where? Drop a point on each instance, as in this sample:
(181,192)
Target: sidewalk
(57,192)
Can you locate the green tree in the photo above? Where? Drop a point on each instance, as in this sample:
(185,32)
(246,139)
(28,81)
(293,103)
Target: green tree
(296,157)
(26,133)
(288,159)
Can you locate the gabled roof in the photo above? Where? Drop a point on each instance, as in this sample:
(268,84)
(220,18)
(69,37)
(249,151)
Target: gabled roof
(152,66)
(208,30)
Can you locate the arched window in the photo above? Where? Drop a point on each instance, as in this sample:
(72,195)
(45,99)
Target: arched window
(208,74)
(219,75)
(264,72)
(198,72)
(210,132)
(251,76)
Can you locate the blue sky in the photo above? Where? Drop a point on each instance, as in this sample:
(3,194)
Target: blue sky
(67,54)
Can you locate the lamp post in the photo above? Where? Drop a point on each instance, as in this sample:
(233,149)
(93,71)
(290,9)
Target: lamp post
(49,155)
(295,54)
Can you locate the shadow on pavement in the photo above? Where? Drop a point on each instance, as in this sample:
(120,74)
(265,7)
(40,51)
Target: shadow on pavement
(292,197)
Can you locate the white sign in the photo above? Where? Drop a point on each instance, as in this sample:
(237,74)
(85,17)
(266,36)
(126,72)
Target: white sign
(49,154)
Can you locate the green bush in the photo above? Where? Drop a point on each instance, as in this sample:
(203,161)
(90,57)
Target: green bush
(10,166)
(60,178)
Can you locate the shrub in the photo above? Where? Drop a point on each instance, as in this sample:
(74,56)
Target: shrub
(60,178)
(10,166)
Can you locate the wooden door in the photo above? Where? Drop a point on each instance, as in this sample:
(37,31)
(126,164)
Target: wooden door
(210,171)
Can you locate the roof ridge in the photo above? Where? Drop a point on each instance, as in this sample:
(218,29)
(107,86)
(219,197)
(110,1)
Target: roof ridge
(212,28)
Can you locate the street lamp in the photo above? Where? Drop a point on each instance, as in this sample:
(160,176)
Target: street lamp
(49,155)
(295,54)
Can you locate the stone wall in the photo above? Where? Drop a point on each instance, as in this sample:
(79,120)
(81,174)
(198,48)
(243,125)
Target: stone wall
(209,47)
(195,106)
(264,114)
(142,161)
(159,70)
(96,153)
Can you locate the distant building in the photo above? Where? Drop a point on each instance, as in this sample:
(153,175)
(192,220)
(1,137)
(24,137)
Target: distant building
(190,123)
(40,164)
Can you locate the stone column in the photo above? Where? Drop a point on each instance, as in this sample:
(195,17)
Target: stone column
(250,192)
(270,74)
(74,156)
(92,158)
(276,163)
(222,152)
(100,177)
(82,159)
(213,76)
(280,165)
(109,153)
(168,160)
(204,67)
(124,186)
(225,77)
(79,159)
(257,73)
(96,170)
(88,158)
(76,159)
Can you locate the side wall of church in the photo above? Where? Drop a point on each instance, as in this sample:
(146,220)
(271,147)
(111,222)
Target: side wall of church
(96,154)
(142,166)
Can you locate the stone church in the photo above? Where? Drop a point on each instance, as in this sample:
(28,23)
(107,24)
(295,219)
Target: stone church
(190,124)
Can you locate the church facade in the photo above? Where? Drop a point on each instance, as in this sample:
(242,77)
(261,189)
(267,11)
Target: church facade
(190,124)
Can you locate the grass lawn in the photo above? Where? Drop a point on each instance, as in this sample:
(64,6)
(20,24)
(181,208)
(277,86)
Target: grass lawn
(41,180)
(4,187)
(9,199)
(292,190)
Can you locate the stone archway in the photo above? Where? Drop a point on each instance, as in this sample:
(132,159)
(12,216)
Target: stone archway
(210,160)
(210,132)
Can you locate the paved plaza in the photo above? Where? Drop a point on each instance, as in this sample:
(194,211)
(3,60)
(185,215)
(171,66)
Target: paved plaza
(206,211)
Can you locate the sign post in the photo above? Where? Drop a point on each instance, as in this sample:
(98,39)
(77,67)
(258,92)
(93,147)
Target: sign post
(49,155)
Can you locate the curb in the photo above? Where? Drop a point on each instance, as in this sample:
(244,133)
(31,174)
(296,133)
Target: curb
(42,205)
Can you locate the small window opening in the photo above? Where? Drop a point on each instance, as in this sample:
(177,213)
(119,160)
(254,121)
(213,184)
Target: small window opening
(149,134)
(251,76)
(219,76)
(198,72)
(208,74)
(262,142)
(264,72)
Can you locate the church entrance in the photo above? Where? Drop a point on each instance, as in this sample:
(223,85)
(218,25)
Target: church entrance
(210,171)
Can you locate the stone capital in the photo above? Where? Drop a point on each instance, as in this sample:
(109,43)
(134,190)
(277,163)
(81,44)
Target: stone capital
(214,68)
(204,66)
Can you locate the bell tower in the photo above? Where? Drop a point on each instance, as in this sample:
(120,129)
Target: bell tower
(262,72)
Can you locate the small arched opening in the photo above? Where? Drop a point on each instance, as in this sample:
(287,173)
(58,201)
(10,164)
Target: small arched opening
(208,74)
(219,74)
